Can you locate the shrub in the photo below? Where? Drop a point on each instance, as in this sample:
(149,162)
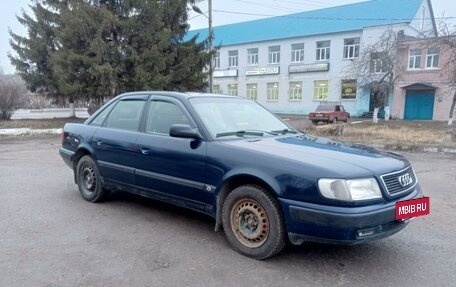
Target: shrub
(12,91)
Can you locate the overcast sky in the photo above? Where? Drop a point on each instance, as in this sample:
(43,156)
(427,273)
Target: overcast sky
(224,12)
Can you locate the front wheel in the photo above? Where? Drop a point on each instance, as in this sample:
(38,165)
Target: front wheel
(89,180)
(253,222)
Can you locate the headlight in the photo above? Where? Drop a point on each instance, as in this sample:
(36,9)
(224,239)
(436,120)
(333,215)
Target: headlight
(349,190)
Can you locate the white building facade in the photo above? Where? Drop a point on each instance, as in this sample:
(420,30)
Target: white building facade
(292,75)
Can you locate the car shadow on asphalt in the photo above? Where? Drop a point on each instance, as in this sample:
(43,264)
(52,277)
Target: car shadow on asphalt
(204,224)
(164,208)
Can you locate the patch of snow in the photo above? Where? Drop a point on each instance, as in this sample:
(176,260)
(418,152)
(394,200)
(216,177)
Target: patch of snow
(24,131)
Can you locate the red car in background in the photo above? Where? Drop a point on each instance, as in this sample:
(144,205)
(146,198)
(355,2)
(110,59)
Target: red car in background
(329,113)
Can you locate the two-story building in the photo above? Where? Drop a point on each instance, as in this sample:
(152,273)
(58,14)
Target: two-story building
(291,63)
(424,88)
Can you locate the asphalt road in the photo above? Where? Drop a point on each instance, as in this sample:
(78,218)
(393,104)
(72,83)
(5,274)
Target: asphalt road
(49,236)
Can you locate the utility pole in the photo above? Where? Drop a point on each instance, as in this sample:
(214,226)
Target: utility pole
(210,37)
(211,64)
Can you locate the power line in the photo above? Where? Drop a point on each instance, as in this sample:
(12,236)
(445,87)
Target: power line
(267,5)
(310,2)
(325,18)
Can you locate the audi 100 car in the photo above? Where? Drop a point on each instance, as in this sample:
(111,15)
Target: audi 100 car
(263,182)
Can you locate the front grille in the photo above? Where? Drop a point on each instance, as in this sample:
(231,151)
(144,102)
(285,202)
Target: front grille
(392,182)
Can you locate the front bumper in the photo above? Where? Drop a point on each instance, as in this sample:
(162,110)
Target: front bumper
(342,225)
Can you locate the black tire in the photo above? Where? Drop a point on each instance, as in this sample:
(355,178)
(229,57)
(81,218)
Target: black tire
(315,122)
(253,222)
(89,180)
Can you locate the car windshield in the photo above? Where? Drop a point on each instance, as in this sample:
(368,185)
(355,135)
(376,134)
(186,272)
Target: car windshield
(325,108)
(237,117)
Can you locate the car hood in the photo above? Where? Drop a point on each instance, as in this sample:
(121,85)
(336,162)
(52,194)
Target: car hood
(341,159)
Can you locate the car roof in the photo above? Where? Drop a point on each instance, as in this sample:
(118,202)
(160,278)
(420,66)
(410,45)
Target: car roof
(179,95)
(328,106)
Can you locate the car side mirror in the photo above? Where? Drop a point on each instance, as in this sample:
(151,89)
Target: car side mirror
(184,131)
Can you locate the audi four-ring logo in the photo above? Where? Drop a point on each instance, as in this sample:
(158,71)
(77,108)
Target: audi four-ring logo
(405,180)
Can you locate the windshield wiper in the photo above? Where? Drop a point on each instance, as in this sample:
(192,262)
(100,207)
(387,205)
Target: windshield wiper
(240,133)
(284,131)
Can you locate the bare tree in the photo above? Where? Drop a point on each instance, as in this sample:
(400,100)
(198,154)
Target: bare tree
(375,69)
(12,92)
(447,41)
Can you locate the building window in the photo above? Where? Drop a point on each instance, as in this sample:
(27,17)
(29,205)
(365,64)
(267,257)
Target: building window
(320,90)
(348,89)
(216,89)
(295,91)
(378,62)
(351,48)
(233,58)
(432,58)
(297,53)
(414,59)
(252,91)
(217,60)
(233,89)
(274,55)
(323,50)
(273,91)
(252,56)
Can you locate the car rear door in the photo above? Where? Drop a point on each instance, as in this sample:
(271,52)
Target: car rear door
(342,114)
(114,142)
(169,165)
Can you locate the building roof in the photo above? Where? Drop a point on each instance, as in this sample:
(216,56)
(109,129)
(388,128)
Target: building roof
(323,21)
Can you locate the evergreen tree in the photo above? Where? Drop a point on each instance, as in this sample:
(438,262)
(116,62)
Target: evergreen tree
(95,49)
(34,50)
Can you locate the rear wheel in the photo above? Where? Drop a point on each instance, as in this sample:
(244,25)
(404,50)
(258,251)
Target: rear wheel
(253,222)
(89,180)
(315,122)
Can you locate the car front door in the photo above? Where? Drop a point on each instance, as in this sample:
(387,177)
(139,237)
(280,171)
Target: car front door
(114,142)
(342,114)
(170,167)
(338,113)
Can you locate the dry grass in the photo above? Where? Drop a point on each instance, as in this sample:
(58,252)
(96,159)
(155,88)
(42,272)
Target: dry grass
(393,133)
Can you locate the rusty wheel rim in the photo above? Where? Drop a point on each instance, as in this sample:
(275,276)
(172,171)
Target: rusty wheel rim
(249,223)
(89,180)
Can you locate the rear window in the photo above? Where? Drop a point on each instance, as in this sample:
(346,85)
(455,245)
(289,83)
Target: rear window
(325,108)
(126,115)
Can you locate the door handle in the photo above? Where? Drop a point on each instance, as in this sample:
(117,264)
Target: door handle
(145,151)
(99,143)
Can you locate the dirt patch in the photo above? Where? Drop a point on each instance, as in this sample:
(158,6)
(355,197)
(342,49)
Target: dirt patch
(404,135)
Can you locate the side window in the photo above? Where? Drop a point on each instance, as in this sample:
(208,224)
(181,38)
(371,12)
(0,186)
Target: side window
(162,115)
(337,108)
(126,115)
(98,121)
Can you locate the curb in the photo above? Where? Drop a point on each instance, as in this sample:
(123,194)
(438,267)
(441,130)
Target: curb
(426,149)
